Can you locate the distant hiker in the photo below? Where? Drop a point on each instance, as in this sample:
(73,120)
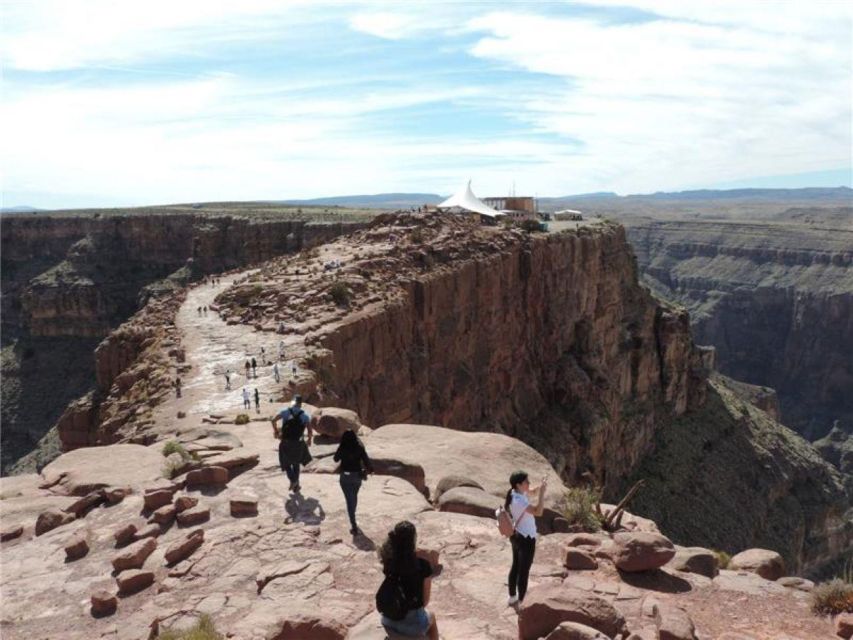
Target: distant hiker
(227,379)
(205,309)
(257,400)
(247,402)
(523,538)
(280,330)
(199,311)
(178,387)
(355,465)
(405,591)
(281,350)
(248,366)
(275,372)
(254,368)
(292,450)
(263,356)
(293,368)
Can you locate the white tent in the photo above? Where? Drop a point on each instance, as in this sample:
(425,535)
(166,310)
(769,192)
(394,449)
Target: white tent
(465,200)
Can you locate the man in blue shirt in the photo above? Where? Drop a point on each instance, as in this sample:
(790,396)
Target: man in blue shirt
(292,450)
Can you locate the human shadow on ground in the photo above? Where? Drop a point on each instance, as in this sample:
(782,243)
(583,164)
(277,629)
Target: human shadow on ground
(656,580)
(362,542)
(301,509)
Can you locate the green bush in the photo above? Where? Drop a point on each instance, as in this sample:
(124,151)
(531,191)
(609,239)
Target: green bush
(202,630)
(579,507)
(833,597)
(173,446)
(241,418)
(723,559)
(340,293)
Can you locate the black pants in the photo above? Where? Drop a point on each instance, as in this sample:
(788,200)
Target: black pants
(523,550)
(350,484)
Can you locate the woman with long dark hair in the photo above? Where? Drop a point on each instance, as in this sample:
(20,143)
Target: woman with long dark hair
(523,537)
(355,465)
(411,577)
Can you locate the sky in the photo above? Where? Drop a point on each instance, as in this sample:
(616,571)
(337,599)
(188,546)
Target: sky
(122,103)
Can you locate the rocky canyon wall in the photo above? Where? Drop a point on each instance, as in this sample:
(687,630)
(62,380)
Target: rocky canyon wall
(774,298)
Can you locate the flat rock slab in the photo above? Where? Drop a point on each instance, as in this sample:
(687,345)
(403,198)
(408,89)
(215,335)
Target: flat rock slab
(243,507)
(133,580)
(185,547)
(214,476)
(51,519)
(135,555)
(158,498)
(193,516)
(164,515)
(82,471)
(575,631)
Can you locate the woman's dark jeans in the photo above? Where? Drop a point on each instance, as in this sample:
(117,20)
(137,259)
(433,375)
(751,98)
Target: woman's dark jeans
(350,484)
(523,550)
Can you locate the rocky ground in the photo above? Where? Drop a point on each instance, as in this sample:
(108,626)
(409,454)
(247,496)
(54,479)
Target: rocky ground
(102,544)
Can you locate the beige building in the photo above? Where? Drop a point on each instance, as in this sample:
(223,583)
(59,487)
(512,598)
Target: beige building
(516,207)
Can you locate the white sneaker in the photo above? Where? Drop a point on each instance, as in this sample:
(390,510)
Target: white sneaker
(512,600)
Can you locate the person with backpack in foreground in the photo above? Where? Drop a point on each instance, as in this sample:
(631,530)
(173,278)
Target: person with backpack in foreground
(405,591)
(522,534)
(355,465)
(292,450)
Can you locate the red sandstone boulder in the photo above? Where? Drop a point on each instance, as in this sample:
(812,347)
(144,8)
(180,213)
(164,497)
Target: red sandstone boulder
(114,495)
(11,532)
(183,503)
(696,560)
(244,507)
(104,603)
(470,501)
(151,530)
(76,548)
(50,519)
(157,498)
(575,631)
(164,515)
(641,551)
(844,626)
(134,580)
(214,476)
(82,506)
(135,555)
(545,608)
(579,560)
(768,564)
(238,459)
(125,534)
(185,547)
(193,516)
(333,422)
(673,623)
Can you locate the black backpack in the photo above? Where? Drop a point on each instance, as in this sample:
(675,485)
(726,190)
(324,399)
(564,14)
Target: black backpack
(292,429)
(391,600)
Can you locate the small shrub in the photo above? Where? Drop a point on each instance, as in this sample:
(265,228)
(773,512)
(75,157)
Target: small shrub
(579,507)
(341,294)
(241,418)
(830,598)
(202,630)
(173,446)
(723,559)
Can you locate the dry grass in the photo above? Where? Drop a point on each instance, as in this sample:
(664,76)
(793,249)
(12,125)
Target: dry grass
(202,630)
(242,418)
(833,597)
(579,507)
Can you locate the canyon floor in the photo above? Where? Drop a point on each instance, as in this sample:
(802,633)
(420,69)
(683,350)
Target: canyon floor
(292,571)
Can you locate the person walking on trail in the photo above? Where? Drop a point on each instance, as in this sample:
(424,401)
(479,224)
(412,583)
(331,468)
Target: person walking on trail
(227,379)
(257,400)
(205,309)
(177,387)
(247,402)
(523,538)
(263,356)
(355,465)
(248,367)
(199,311)
(293,368)
(292,450)
(281,350)
(405,592)
(276,373)
(254,368)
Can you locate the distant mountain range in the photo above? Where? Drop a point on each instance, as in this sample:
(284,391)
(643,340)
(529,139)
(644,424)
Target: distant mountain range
(19,209)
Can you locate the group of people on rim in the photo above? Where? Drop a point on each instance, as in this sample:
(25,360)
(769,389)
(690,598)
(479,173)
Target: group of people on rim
(404,594)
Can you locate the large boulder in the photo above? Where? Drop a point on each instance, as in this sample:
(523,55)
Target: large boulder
(545,608)
(451,482)
(81,471)
(214,476)
(766,563)
(470,501)
(580,560)
(673,623)
(51,519)
(333,422)
(641,551)
(696,560)
(135,555)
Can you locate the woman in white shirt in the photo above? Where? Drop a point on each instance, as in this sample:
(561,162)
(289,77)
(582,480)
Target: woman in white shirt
(523,537)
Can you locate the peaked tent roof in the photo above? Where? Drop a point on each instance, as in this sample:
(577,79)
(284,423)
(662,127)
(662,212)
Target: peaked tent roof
(465,199)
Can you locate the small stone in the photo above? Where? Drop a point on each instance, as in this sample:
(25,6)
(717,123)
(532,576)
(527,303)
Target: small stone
(134,580)
(104,603)
(163,515)
(208,477)
(76,548)
(124,535)
(193,516)
(579,560)
(135,555)
(184,548)
(243,507)
(673,623)
(185,502)
(114,495)
(50,519)
(10,533)
(152,530)
(157,498)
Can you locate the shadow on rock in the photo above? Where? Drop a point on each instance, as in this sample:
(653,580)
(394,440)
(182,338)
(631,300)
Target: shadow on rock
(302,509)
(656,580)
(363,543)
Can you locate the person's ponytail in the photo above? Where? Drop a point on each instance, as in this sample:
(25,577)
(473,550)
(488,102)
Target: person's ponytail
(508,499)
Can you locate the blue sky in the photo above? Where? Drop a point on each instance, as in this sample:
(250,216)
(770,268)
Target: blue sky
(127,103)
